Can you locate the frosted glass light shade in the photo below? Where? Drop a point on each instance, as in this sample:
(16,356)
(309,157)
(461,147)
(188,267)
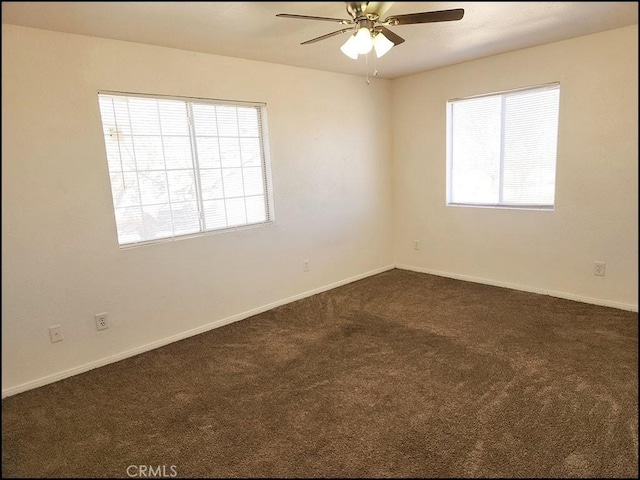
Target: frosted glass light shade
(381,44)
(349,47)
(363,41)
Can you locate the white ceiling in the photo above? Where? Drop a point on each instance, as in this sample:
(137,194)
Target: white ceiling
(251,29)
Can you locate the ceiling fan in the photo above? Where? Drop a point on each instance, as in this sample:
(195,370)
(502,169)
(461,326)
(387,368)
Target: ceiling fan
(367,29)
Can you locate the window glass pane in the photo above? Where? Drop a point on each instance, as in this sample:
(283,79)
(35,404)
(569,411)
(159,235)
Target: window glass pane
(230,152)
(256,211)
(148,153)
(253,181)
(232,179)
(113,153)
(476,151)
(236,213)
(248,122)
(250,152)
(182,185)
(186,218)
(211,183)
(179,167)
(108,116)
(130,225)
(126,153)
(204,120)
(215,214)
(502,148)
(124,186)
(153,187)
(530,140)
(122,115)
(227,121)
(173,117)
(143,113)
(208,153)
(177,152)
(157,221)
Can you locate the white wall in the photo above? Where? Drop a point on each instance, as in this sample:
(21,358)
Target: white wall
(596,212)
(331,152)
(61,262)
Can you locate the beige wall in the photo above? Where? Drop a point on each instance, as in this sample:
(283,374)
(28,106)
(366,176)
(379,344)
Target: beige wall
(333,172)
(61,261)
(596,213)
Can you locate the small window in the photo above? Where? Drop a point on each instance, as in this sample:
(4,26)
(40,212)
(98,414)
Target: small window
(183,167)
(501,148)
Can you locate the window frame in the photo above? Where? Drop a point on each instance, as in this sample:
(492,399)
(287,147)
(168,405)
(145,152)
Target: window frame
(265,157)
(449,150)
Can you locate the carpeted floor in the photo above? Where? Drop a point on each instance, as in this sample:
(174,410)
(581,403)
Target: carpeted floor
(398,375)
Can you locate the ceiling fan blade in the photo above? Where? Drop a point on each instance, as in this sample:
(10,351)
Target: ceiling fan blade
(328,35)
(395,39)
(426,17)
(307,17)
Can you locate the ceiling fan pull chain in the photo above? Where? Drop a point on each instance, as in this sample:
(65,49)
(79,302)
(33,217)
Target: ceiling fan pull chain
(375,65)
(366,62)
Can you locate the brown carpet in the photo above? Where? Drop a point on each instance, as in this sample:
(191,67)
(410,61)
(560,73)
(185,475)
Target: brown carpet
(398,375)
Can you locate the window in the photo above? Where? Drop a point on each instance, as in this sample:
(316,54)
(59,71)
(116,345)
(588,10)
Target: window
(184,166)
(501,148)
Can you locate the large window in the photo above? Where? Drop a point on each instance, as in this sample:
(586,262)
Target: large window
(501,148)
(184,166)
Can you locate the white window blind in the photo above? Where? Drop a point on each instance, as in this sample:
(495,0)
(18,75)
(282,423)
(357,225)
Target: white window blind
(501,148)
(184,166)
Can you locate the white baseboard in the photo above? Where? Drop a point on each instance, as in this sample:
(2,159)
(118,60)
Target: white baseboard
(181,336)
(524,288)
(241,316)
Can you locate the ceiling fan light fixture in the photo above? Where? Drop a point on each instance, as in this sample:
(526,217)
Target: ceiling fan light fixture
(368,32)
(363,41)
(349,47)
(381,44)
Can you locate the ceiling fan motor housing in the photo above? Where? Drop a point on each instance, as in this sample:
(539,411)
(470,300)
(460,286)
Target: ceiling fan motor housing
(356,9)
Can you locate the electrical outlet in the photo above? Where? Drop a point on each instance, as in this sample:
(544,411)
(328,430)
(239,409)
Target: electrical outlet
(55,332)
(598,268)
(416,244)
(102,322)
(305,265)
